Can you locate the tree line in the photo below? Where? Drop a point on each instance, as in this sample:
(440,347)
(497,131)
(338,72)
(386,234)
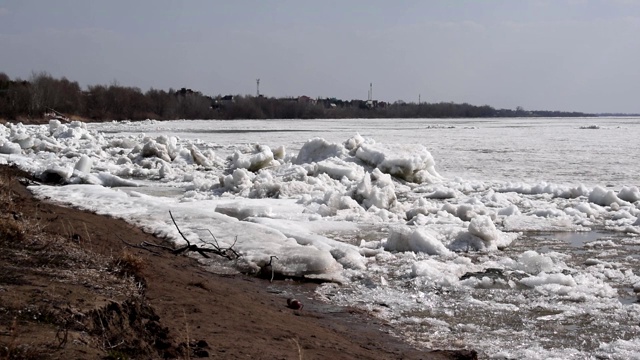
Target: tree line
(28,100)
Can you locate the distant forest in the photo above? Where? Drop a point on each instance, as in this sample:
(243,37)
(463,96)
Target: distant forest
(29,101)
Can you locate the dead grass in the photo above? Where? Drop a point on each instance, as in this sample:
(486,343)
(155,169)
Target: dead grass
(50,283)
(131,263)
(6,194)
(11,231)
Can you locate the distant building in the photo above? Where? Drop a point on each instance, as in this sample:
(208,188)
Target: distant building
(227,100)
(306,100)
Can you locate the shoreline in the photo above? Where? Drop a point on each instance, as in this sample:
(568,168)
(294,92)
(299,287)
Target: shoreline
(236,315)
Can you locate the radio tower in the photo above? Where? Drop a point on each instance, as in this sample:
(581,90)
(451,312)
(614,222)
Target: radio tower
(370,92)
(257,87)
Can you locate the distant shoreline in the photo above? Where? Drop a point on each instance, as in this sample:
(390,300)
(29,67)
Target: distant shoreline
(29,101)
(43,121)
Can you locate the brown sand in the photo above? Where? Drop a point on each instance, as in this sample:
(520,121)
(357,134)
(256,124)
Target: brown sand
(237,316)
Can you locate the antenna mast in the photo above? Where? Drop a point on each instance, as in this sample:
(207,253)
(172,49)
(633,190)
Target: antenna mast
(257,87)
(370,91)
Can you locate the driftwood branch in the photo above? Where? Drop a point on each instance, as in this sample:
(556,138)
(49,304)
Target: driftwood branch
(143,245)
(228,253)
(211,247)
(214,248)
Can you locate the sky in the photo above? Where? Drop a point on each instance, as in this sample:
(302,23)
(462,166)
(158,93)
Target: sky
(569,55)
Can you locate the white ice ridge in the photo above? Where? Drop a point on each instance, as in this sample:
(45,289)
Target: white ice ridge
(412,163)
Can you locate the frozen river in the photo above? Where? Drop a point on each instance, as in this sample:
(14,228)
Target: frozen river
(515,237)
(563,150)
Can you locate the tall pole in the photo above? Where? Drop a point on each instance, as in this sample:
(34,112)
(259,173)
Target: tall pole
(257,87)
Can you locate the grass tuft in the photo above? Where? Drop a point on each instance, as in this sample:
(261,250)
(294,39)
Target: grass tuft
(131,263)
(11,231)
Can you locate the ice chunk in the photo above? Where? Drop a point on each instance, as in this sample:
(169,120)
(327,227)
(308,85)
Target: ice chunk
(304,261)
(509,211)
(53,125)
(347,255)
(630,194)
(440,273)
(199,158)
(259,158)
(334,202)
(239,180)
(110,180)
(466,211)
(318,149)
(442,193)
(354,142)
(125,143)
(74,130)
(338,168)
(533,263)
(279,153)
(587,209)
(413,163)
(483,227)
(376,189)
(404,238)
(84,164)
(152,148)
(549,279)
(25,141)
(171,143)
(604,197)
(242,211)
(10,148)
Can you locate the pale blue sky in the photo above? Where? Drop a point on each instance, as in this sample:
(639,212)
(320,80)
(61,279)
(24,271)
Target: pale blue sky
(573,55)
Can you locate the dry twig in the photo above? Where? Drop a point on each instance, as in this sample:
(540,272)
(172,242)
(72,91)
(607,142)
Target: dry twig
(213,247)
